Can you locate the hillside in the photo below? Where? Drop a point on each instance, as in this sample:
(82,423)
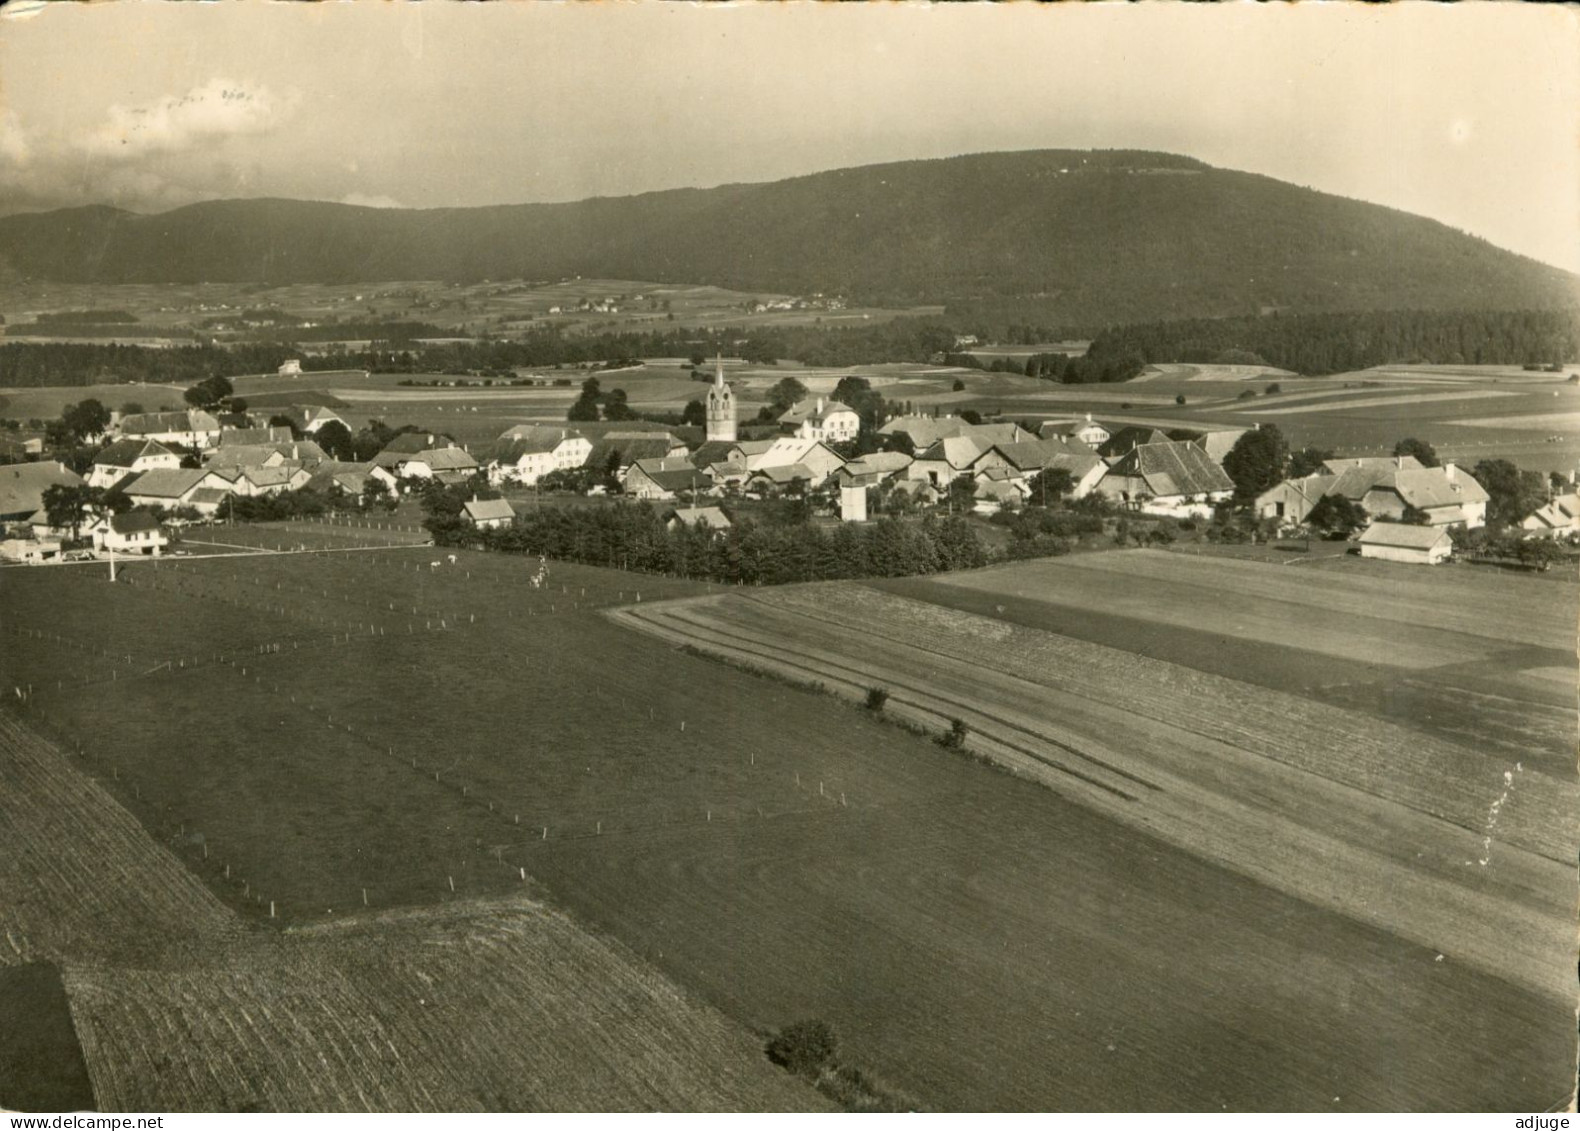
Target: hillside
(1050,236)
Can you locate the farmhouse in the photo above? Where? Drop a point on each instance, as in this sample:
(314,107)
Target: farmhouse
(174,488)
(193,428)
(666,478)
(817,419)
(448,465)
(487,514)
(234,437)
(350,478)
(819,459)
(304,452)
(1340,464)
(711,518)
(922,432)
(22,487)
(1173,478)
(780,477)
(272,480)
(1024,460)
(1447,495)
(291,367)
(527,452)
(1398,542)
(947,459)
(872,469)
(1558,519)
(135,532)
(1293,499)
(617,451)
(310,418)
(128,457)
(1087,430)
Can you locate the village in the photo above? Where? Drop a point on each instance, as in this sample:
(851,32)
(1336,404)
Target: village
(157,472)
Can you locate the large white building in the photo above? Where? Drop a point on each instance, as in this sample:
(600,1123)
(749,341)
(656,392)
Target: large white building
(817,419)
(527,452)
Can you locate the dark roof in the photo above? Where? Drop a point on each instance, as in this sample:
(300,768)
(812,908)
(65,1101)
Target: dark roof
(133,522)
(482,510)
(1174,468)
(1133,436)
(629,448)
(410,443)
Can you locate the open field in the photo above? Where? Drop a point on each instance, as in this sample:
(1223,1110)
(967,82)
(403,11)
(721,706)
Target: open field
(325,724)
(496,1005)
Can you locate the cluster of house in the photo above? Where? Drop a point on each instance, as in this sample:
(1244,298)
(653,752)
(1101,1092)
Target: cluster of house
(1388,489)
(1176,474)
(147,458)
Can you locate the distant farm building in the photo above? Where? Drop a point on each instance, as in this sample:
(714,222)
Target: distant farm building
(22,487)
(130,457)
(1175,478)
(817,419)
(291,368)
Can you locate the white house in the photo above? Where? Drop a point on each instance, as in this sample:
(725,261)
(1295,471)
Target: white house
(169,489)
(292,367)
(1447,495)
(817,419)
(135,532)
(527,452)
(1087,430)
(487,514)
(1398,542)
(128,457)
(819,460)
(193,428)
(1558,519)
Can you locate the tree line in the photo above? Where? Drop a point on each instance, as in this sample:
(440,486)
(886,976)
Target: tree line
(634,536)
(1319,344)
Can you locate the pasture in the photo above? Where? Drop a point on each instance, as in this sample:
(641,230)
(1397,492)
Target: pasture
(180,1005)
(318,730)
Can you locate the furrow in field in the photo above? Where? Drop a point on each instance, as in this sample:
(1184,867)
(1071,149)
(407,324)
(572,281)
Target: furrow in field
(1312,837)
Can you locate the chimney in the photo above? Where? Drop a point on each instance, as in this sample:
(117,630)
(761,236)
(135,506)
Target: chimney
(1450,471)
(820,404)
(1398,461)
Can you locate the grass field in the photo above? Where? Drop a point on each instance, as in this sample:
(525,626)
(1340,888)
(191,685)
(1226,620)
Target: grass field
(181,1006)
(301,727)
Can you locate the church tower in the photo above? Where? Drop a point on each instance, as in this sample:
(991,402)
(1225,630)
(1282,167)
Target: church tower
(721,406)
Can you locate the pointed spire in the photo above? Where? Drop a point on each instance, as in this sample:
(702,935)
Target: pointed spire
(718,370)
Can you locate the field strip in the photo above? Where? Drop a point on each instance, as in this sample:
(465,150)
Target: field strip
(1258,817)
(495,1004)
(1536,422)
(1379,402)
(1470,610)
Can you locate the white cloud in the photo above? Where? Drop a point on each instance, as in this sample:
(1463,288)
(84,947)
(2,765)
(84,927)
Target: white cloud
(159,154)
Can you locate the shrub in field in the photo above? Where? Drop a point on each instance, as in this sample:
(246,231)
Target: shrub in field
(955,739)
(876,698)
(805,1048)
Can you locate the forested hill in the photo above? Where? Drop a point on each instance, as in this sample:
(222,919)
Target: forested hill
(1052,237)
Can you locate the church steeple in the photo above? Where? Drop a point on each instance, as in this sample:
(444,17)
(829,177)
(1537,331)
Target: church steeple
(720,405)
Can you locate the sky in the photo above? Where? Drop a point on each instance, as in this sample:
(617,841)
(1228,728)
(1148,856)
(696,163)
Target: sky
(1469,114)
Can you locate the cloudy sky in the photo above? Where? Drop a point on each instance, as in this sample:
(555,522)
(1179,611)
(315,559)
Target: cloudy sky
(1468,114)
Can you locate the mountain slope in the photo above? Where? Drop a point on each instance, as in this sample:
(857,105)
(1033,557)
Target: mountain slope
(1073,236)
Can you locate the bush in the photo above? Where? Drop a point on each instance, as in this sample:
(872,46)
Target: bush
(956,738)
(804,1047)
(876,698)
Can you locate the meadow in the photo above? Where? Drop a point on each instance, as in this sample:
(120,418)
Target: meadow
(319,730)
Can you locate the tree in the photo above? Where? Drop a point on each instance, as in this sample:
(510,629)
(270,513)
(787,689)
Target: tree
(207,394)
(1051,483)
(956,738)
(1179,398)
(85,418)
(1336,516)
(971,416)
(786,391)
(694,413)
(1420,449)
(857,392)
(876,698)
(804,1048)
(586,405)
(1308,461)
(1257,461)
(131,408)
(959,386)
(66,505)
(336,439)
(616,406)
(1511,493)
